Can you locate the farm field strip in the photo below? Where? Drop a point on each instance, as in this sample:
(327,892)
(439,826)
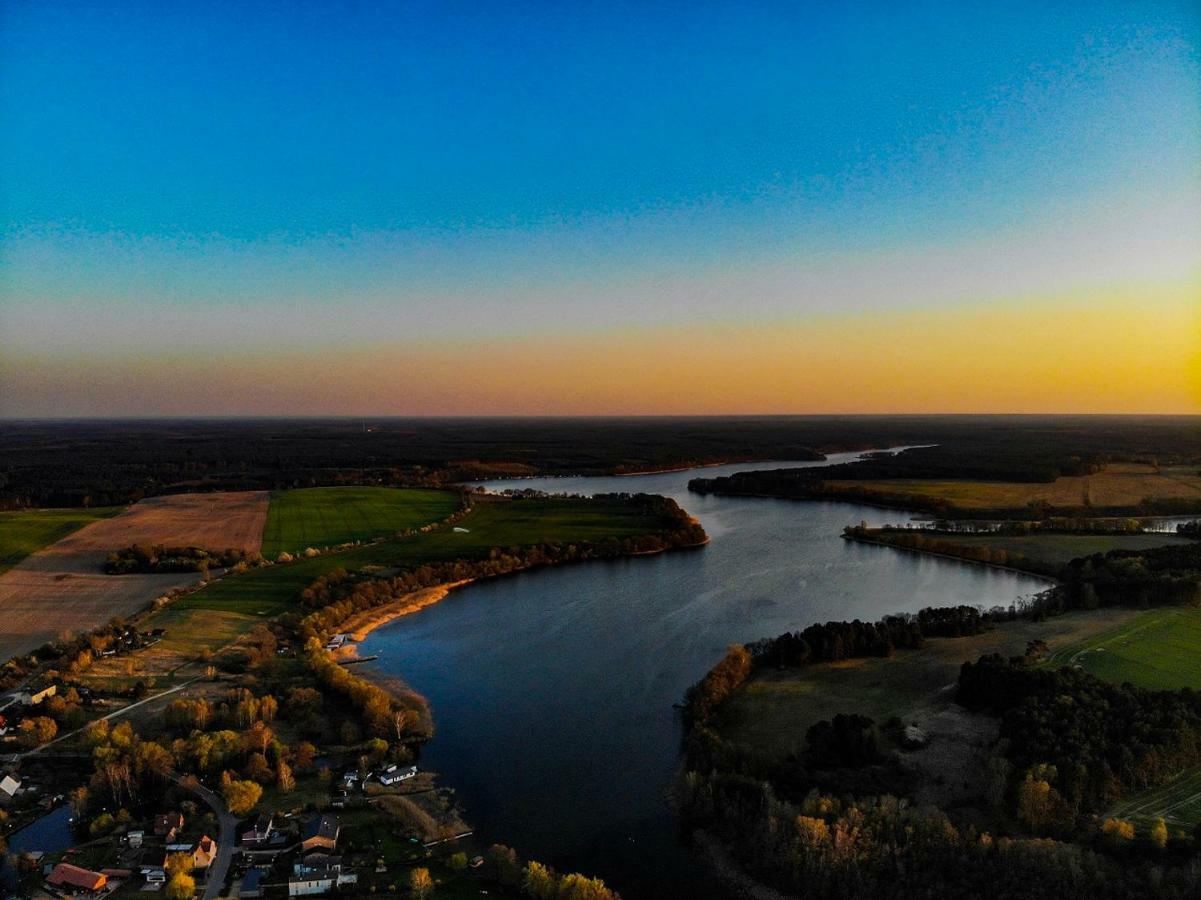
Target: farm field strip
(322,517)
(23,532)
(1115,486)
(62,587)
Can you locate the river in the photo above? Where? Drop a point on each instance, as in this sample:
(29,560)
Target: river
(553,691)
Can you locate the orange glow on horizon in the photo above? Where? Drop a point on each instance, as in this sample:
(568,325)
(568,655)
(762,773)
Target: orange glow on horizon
(1126,351)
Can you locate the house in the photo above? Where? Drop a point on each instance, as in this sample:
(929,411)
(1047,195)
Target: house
(259,830)
(318,874)
(168,825)
(204,852)
(252,883)
(155,876)
(320,832)
(9,785)
(134,839)
(72,878)
(36,697)
(396,774)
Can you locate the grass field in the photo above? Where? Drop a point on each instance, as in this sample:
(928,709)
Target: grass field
(262,593)
(27,531)
(1158,649)
(324,517)
(1124,485)
(1062,548)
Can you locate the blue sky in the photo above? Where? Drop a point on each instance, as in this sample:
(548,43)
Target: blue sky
(389,170)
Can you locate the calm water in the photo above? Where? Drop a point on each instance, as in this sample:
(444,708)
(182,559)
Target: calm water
(552,691)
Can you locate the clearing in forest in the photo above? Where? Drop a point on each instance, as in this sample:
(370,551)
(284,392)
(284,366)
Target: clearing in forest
(326,517)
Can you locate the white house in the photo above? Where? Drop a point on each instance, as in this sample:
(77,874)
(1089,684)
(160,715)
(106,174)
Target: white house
(396,774)
(9,785)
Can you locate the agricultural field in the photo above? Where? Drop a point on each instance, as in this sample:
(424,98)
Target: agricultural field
(1124,485)
(26,531)
(241,600)
(62,587)
(324,517)
(1058,549)
(1159,649)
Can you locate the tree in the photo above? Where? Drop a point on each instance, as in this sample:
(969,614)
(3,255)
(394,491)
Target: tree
(283,777)
(1158,834)
(420,883)
(38,730)
(181,887)
(241,796)
(539,881)
(179,864)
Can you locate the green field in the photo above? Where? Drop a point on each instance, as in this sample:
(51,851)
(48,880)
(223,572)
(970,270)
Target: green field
(1159,649)
(262,593)
(325,517)
(1062,548)
(27,531)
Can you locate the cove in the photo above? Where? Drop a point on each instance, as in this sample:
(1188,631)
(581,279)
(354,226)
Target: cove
(552,691)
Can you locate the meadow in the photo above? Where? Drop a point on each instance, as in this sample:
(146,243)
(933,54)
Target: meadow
(328,516)
(26,531)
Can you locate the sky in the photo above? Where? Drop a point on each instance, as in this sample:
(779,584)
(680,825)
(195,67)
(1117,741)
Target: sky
(599,208)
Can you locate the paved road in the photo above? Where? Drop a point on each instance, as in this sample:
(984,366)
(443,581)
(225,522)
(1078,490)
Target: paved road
(113,715)
(227,834)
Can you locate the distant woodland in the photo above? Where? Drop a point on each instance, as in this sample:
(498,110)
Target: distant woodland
(97,463)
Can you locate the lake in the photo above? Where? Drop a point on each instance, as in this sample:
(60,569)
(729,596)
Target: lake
(553,691)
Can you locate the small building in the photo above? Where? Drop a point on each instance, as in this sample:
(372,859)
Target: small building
(204,852)
(45,693)
(134,839)
(320,833)
(168,825)
(155,876)
(259,830)
(9,785)
(396,774)
(318,874)
(67,877)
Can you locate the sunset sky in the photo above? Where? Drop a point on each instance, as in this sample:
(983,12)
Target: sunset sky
(575,208)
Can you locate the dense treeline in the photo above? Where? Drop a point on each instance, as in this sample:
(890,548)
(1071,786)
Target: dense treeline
(1076,743)
(884,847)
(110,463)
(1160,576)
(140,558)
(336,596)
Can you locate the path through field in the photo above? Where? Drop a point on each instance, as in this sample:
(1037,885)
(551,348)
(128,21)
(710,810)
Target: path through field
(63,587)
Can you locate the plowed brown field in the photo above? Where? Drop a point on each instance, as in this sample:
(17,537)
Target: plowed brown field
(63,588)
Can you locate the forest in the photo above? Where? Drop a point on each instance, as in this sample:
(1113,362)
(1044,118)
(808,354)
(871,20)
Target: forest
(64,463)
